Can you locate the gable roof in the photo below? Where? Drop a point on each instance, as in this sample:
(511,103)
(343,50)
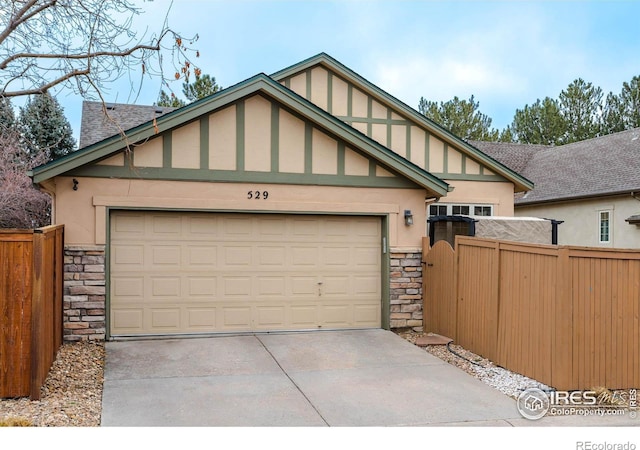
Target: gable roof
(521,183)
(606,165)
(258,84)
(96,126)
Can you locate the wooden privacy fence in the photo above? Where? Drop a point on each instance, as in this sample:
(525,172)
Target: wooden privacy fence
(31,275)
(565,316)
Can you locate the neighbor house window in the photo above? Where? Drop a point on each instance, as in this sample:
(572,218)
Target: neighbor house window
(605,227)
(450,209)
(437,210)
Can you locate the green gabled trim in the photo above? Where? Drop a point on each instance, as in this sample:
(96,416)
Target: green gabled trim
(240,136)
(369,115)
(204,142)
(352,77)
(329,92)
(372,168)
(427,147)
(308,148)
(308,85)
(462,177)
(275,137)
(349,103)
(388,143)
(167,148)
(267,87)
(230,176)
(463,165)
(371,120)
(341,153)
(445,158)
(408,142)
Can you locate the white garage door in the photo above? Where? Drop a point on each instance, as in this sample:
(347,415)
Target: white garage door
(175,273)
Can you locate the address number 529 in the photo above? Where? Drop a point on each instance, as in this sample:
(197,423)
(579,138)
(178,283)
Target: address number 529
(258,195)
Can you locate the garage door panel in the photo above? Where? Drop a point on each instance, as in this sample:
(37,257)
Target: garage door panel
(201,318)
(237,286)
(238,317)
(202,257)
(201,286)
(127,320)
(165,319)
(173,273)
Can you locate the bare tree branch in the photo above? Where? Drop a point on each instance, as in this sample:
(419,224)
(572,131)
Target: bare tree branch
(46,44)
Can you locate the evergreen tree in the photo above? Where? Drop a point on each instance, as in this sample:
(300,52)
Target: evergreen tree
(613,115)
(7,115)
(461,117)
(171,101)
(540,123)
(203,86)
(581,107)
(630,100)
(45,129)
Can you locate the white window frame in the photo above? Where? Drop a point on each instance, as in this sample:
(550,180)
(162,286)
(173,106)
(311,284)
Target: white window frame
(470,205)
(609,223)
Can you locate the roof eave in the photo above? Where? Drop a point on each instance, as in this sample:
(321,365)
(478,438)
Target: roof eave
(576,197)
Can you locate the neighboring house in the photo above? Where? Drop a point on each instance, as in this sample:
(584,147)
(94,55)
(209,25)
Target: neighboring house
(592,185)
(291,201)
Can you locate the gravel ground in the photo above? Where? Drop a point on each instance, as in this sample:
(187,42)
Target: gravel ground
(71,395)
(507,382)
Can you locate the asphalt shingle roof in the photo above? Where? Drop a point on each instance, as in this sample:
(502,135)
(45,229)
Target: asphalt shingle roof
(594,167)
(96,126)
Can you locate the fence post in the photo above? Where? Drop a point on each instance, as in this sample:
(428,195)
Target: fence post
(36,314)
(562,325)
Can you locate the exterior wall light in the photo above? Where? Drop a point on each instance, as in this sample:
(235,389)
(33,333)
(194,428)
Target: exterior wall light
(408,217)
(75,184)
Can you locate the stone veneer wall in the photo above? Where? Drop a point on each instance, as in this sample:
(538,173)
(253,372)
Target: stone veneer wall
(84,293)
(406,290)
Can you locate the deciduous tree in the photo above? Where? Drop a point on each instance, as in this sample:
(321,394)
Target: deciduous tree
(83,45)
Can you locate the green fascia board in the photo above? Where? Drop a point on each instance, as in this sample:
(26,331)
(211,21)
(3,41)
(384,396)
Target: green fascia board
(522,183)
(260,83)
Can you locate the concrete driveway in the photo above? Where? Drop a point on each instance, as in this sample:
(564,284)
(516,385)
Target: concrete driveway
(321,378)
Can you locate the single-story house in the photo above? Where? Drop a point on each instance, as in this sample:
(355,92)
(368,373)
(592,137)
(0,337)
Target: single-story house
(593,186)
(295,201)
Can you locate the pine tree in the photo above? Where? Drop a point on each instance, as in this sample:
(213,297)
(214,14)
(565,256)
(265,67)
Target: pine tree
(203,86)
(463,118)
(45,129)
(7,115)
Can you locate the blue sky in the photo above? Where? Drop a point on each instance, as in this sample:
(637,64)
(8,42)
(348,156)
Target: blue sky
(505,53)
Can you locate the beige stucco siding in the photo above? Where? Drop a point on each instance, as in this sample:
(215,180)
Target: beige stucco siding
(291,132)
(185,150)
(148,154)
(222,139)
(498,194)
(581,220)
(84,211)
(257,132)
